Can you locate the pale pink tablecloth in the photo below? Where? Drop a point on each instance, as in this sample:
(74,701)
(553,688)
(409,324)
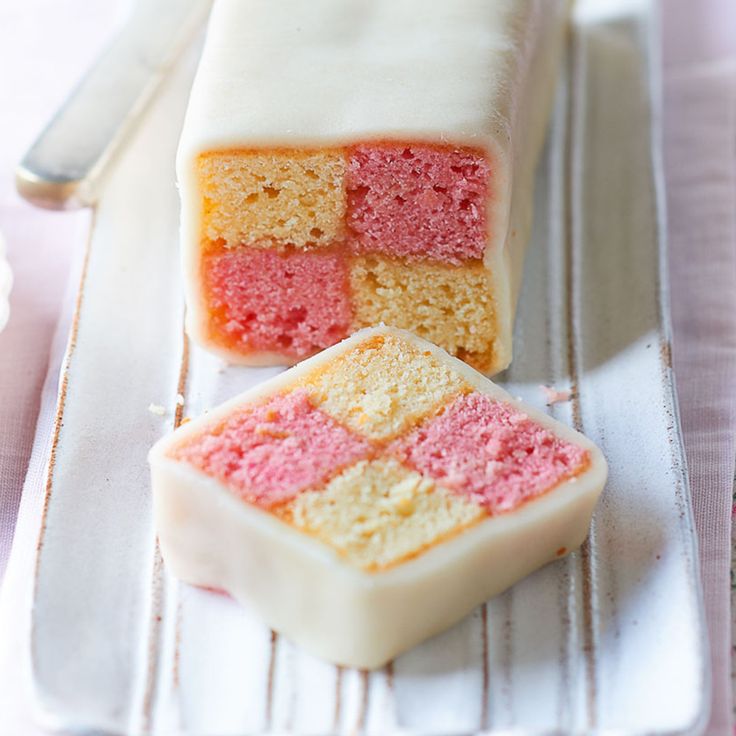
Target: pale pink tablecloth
(45,44)
(699,46)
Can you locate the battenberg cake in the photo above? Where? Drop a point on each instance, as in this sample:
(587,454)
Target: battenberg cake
(371,496)
(345,164)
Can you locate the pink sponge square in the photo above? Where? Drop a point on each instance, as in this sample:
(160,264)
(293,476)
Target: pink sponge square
(293,303)
(490,451)
(269,453)
(418,201)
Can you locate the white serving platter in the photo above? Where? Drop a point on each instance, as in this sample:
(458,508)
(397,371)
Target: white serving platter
(610,639)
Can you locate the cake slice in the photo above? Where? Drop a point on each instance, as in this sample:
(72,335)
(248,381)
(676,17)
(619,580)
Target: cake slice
(371,496)
(345,164)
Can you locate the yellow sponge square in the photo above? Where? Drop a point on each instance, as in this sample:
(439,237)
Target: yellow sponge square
(378,513)
(276,197)
(451,306)
(383,386)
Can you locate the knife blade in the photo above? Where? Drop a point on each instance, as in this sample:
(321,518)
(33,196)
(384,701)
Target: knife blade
(64,167)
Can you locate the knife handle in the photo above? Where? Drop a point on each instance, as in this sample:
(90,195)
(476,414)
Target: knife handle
(63,168)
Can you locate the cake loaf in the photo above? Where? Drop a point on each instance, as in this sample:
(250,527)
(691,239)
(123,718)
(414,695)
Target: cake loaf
(345,163)
(371,496)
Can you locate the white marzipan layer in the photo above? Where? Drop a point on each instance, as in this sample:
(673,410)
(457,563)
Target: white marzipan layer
(326,73)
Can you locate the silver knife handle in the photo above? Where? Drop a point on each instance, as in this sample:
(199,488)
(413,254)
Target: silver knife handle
(63,167)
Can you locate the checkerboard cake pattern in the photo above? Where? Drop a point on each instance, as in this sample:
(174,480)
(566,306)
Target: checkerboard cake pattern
(299,248)
(382,453)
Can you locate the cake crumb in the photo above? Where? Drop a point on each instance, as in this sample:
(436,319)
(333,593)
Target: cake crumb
(553,396)
(157,409)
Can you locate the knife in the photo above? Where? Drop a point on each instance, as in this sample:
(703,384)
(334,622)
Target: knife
(64,167)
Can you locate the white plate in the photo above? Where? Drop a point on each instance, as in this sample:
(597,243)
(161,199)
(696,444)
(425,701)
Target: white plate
(611,638)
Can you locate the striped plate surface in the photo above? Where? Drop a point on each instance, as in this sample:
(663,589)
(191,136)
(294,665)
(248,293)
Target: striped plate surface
(609,639)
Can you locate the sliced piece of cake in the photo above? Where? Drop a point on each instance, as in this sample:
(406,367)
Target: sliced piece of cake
(345,164)
(371,496)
